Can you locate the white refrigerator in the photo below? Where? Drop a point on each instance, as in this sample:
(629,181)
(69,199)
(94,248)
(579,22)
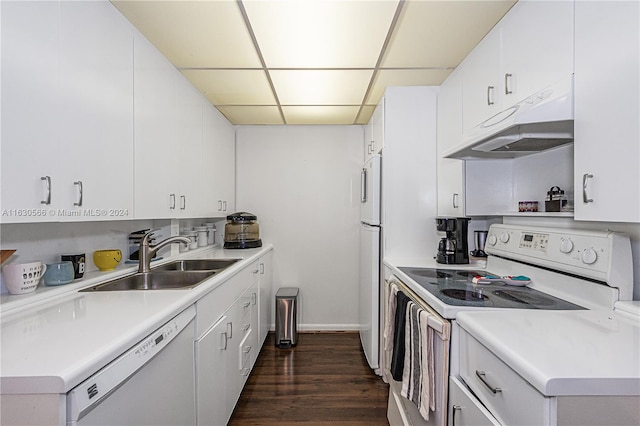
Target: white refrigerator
(370,235)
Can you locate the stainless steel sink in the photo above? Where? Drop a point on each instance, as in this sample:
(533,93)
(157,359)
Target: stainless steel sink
(181,274)
(155,280)
(197,265)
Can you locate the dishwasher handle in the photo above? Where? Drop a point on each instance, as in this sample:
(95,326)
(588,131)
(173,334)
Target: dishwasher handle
(94,390)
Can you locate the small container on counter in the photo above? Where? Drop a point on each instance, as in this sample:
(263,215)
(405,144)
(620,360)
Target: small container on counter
(556,200)
(203,236)
(527,206)
(211,228)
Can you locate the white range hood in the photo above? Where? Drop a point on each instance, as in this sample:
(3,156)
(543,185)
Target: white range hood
(540,122)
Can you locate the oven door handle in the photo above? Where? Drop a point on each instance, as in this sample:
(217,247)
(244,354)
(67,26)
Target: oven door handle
(481,375)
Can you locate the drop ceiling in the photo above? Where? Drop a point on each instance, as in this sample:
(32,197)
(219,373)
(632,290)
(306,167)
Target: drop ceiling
(311,61)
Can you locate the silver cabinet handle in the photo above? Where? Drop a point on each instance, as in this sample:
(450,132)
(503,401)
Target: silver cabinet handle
(47,186)
(222,344)
(507,78)
(172,204)
(481,376)
(585,197)
(363,186)
(219,205)
(455,200)
(80,193)
(183,202)
(489,97)
(262,269)
(254,298)
(229,332)
(224,206)
(456,408)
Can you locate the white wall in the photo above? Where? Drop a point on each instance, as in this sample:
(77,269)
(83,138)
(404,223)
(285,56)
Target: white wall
(303,184)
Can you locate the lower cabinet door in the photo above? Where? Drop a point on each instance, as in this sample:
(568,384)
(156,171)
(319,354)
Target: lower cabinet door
(212,361)
(465,409)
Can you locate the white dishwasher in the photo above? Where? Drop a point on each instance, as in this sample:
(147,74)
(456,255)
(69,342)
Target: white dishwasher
(153,383)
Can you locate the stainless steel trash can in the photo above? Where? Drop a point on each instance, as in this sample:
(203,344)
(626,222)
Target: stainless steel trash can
(287,317)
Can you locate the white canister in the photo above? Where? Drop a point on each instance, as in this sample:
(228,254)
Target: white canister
(203,237)
(211,228)
(193,236)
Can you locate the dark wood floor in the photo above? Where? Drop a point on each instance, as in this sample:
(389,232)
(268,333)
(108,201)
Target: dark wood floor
(324,380)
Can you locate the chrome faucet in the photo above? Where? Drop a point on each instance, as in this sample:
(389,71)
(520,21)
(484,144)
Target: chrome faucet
(147,250)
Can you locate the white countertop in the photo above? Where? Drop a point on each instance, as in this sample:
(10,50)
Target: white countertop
(590,352)
(49,345)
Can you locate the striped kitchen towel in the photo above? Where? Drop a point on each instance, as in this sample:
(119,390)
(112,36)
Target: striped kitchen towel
(389,320)
(418,381)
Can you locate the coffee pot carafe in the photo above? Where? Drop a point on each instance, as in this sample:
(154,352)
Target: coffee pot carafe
(453,248)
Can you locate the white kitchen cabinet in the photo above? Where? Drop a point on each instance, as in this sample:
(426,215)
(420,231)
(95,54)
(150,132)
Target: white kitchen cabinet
(450,171)
(265,299)
(212,364)
(607,107)
(374,141)
(67,112)
(168,138)
(228,324)
(530,49)
(218,163)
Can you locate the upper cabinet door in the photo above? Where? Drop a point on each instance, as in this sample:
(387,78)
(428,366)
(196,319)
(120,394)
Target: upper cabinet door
(374,133)
(30,107)
(67,103)
(96,83)
(607,107)
(537,47)
(450,171)
(530,49)
(482,94)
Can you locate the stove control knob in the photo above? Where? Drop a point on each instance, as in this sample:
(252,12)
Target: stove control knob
(504,237)
(566,245)
(492,240)
(589,256)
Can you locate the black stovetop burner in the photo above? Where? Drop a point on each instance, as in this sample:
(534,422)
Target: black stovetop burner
(456,288)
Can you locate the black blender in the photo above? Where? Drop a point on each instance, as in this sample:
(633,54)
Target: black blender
(453,248)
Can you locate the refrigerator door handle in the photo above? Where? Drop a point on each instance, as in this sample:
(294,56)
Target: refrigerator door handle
(363,186)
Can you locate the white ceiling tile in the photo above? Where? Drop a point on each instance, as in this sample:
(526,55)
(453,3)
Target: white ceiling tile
(320,114)
(320,33)
(194,33)
(252,114)
(441,33)
(233,87)
(326,87)
(386,78)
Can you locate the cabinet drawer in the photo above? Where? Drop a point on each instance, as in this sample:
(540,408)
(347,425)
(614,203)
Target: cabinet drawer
(510,398)
(465,409)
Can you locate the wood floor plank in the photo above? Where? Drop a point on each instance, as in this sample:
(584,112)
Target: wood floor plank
(324,380)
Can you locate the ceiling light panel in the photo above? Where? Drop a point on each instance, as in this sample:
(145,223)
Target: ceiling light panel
(320,114)
(320,33)
(441,33)
(418,77)
(321,87)
(194,34)
(233,87)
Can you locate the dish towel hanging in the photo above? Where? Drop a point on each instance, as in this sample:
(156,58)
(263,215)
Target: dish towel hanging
(389,322)
(397,358)
(418,381)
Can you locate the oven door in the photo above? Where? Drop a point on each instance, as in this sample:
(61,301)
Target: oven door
(400,409)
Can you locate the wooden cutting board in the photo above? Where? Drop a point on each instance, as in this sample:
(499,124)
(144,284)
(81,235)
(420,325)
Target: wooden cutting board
(5,254)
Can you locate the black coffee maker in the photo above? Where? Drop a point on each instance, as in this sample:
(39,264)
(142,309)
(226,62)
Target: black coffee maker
(453,248)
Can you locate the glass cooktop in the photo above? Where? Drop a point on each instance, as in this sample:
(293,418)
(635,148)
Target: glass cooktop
(456,288)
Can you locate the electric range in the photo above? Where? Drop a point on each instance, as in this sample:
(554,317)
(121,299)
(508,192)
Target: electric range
(569,270)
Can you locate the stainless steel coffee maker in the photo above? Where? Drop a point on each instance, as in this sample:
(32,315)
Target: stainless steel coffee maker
(453,248)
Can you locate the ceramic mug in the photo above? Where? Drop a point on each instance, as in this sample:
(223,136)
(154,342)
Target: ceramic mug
(59,273)
(78,261)
(21,278)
